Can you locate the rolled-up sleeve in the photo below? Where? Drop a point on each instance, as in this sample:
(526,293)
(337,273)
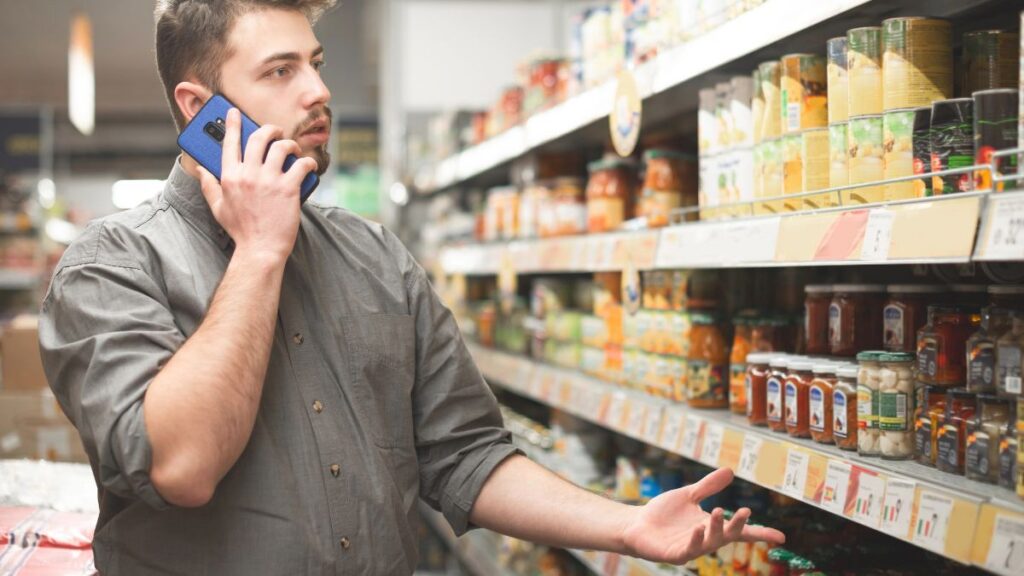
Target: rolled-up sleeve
(460,438)
(104,332)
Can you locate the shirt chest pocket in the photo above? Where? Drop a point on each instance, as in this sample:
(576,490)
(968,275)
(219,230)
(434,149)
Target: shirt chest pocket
(380,354)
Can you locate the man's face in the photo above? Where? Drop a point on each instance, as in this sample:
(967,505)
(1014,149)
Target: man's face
(273,75)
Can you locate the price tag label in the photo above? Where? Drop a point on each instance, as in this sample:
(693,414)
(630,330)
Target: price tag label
(615,411)
(748,457)
(652,428)
(794,482)
(690,446)
(837,485)
(713,436)
(898,507)
(867,507)
(671,429)
(1005,239)
(932,521)
(637,419)
(877,235)
(1006,553)
(565,393)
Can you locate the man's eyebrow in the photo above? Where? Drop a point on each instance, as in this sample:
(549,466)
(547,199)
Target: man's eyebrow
(290,56)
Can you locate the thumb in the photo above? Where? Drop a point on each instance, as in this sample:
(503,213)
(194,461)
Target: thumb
(210,187)
(711,484)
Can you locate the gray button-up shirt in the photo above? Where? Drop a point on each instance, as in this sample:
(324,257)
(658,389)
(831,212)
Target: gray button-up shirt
(371,399)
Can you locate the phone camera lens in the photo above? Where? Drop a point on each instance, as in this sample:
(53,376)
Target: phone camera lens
(215,131)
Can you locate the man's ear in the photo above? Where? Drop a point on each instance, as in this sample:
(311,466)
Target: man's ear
(190,97)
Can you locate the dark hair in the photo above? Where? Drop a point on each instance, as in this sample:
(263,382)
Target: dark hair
(192,38)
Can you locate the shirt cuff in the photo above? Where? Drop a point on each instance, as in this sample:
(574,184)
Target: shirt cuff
(462,493)
(134,454)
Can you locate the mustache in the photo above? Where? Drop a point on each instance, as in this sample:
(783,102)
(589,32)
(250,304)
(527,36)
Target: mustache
(314,117)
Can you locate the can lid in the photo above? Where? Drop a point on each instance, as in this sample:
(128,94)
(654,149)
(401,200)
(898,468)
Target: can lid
(859,288)
(995,91)
(848,371)
(802,364)
(1018,289)
(780,361)
(818,288)
(916,289)
(898,357)
(871,356)
(760,357)
(825,367)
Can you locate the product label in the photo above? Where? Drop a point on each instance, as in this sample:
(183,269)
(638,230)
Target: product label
(981,367)
(1007,462)
(946,446)
(791,407)
(867,417)
(774,400)
(835,324)
(892,412)
(928,356)
(705,381)
(923,437)
(976,454)
(1008,359)
(817,409)
(738,384)
(840,426)
(893,315)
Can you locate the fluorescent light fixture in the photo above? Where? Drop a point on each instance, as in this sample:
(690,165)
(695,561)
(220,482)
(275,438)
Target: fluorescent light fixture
(81,76)
(47,193)
(61,231)
(128,194)
(399,194)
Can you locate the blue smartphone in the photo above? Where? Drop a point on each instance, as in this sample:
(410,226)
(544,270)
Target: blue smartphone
(203,136)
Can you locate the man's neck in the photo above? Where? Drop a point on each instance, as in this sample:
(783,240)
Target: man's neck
(190,166)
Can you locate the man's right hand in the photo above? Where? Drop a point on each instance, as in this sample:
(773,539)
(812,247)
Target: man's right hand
(255,202)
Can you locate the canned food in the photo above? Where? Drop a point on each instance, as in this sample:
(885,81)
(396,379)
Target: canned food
(952,139)
(990,60)
(814,147)
(707,124)
(740,96)
(792,171)
(917,62)
(864,60)
(898,159)
(995,128)
(839,154)
(757,107)
(866,159)
(723,115)
(758,171)
(707,188)
(838,80)
(771,87)
(804,93)
(922,150)
(771,165)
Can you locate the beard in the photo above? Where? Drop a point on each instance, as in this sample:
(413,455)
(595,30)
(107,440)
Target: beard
(322,157)
(320,153)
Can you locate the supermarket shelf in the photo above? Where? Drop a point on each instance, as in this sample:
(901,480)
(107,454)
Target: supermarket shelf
(606,564)
(968,513)
(470,549)
(13,279)
(936,230)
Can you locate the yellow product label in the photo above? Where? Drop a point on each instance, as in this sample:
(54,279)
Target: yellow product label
(792,171)
(866,159)
(865,70)
(839,156)
(917,62)
(658,206)
(605,214)
(898,144)
(815,152)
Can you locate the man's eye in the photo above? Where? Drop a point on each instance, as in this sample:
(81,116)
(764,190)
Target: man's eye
(280,71)
(318,65)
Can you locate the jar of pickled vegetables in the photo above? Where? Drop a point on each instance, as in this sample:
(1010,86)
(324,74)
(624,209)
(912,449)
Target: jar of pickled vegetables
(981,455)
(757,387)
(869,380)
(820,401)
(707,363)
(896,406)
(951,440)
(816,318)
(981,349)
(797,397)
(775,392)
(844,407)
(930,416)
(942,345)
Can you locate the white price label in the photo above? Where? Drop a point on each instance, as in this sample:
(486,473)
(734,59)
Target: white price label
(690,446)
(713,436)
(1006,553)
(877,235)
(653,426)
(867,508)
(672,428)
(615,409)
(795,479)
(897,509)
(837,485)
(637,417)
(748,457)
(932,521)
(1005,239)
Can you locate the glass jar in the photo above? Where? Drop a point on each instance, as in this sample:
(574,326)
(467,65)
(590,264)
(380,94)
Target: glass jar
(855,318)
(707,363)
(844,407)
(981,349)
(816,318)
(981,455)
(1011,297)
(741,347)
(1008,451)
(570,208)
(759,565)
(896,406)
(757,387)
(778,561)
(869,379)
(952,435)
(609,194)
(668,185)
(769,334)
(797,397)
(774,392)
(942,345)
(905,313)
(1008,358)
(930,415)
(820,401)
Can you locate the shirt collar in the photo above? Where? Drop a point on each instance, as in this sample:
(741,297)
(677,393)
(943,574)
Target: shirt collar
(184,193)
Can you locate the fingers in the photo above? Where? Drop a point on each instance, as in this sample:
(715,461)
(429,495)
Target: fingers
(210,187)
(763,534)
(257,144)
(734,528)
(231,149)
(714,537)
(301,167)
(711,484)
(278,152)
(695,548)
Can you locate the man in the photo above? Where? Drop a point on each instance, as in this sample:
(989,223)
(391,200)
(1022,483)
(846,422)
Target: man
(264,388)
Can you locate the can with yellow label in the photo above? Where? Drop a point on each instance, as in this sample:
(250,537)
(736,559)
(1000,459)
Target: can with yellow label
(864,60)
(917,62)
(804,93)
(898,141)
(814,147)
(838,81)
(866,159)
(839,155)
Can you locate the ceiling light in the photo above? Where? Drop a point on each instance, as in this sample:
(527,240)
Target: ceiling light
(81,76)
(128,194)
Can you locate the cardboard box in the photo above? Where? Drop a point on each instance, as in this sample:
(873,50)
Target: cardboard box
(33,426)
(19,347)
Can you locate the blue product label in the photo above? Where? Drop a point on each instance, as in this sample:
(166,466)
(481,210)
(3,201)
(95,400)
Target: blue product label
(774,400)
(840,424)
(791,407)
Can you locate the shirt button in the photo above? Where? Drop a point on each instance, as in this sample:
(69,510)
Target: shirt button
(298,339)
(345,543)
(318,406)
(335,470)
